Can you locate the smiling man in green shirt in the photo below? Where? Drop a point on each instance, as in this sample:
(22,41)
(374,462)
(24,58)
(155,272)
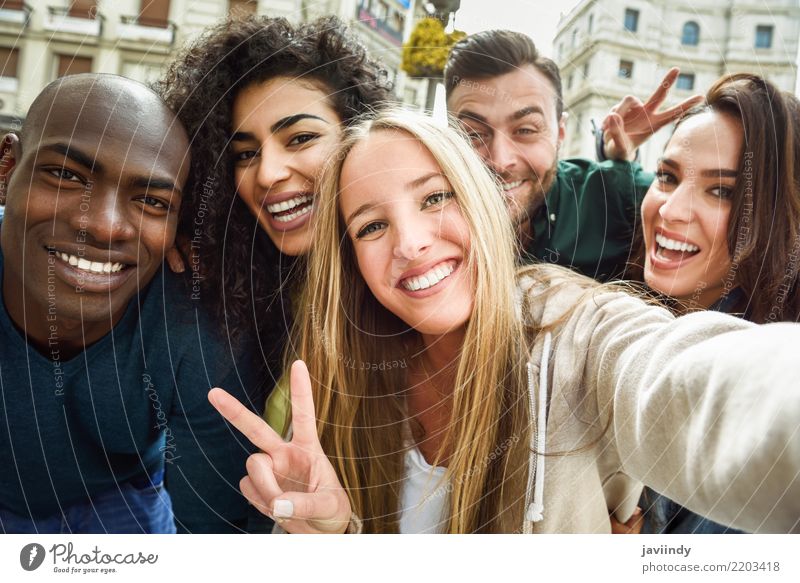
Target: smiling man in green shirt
(577,213)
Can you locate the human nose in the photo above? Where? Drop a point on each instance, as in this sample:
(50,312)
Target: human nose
(678,206)
(412,239)
(103,218)
(273,168)
(502,153)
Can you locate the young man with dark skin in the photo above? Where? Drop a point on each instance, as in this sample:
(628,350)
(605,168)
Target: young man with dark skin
(105,364)
(577,213)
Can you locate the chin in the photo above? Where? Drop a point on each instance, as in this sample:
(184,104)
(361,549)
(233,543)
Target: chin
(293,245)
(440,324)
(674,285)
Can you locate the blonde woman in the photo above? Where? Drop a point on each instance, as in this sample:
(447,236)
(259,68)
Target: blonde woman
(530,402)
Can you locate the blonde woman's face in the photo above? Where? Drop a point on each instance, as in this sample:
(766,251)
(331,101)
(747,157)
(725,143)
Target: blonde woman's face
(686,211)
(284,131)
(410,238)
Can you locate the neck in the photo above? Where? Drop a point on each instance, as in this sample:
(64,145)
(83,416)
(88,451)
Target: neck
(440,353)
(701,299)
(525,235)
(53,336)
(432,378)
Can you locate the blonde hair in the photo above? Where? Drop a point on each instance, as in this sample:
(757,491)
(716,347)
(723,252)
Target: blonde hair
(342,326)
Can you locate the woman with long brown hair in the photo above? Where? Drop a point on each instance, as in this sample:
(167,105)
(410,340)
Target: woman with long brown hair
(721,224)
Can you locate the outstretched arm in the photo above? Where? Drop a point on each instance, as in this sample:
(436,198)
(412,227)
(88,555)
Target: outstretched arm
(704,408)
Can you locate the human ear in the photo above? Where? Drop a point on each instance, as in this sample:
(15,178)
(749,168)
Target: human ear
(562,129)
(9,153)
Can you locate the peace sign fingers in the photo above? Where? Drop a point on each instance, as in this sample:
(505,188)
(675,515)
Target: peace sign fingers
(304,420)
(251,425)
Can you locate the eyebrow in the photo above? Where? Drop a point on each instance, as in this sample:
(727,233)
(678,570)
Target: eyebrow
(517,115)
(417,182)
(279,125)
(714,173)
(360,211)
(413,185)
(290,120)
(75,155)
(526,111)
(473,116)
(155,183)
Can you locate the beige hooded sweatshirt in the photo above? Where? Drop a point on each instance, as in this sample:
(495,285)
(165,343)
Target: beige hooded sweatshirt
(704,408)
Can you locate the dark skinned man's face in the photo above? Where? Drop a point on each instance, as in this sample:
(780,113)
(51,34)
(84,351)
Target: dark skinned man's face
(92,202)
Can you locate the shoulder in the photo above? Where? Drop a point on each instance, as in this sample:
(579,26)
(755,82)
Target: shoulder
(549,295)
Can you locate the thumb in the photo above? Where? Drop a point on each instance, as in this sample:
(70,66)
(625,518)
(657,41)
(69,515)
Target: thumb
(617,144)
(175,260)
(320,508)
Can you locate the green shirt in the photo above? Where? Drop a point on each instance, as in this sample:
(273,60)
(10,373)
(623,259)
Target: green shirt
(590,217)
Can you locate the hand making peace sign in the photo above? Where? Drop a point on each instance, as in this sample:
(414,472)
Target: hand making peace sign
(632,122)
(293,482)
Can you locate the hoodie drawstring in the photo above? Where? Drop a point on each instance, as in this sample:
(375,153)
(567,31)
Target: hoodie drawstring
(535,510)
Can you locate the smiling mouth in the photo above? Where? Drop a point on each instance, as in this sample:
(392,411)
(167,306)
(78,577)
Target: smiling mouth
(88,266)
(511,185)
(289,210)
(671,250)
(430,278)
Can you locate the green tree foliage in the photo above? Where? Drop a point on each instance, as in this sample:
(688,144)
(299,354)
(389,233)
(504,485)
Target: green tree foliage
(425,53)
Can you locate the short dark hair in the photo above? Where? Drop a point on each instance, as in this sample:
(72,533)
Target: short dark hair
(493,53)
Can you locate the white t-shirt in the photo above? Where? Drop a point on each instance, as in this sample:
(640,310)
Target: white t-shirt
(424,496)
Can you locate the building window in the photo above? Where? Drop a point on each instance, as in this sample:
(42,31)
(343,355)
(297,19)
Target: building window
(154,13)
(691,34)
(625,69)
(72,65)
(560,50)
(685,81)
(586,70)
(574,36)
(631,19)
(83,8)
(569,81)
(591,22)
(242,6)
(8,61)
(764,37)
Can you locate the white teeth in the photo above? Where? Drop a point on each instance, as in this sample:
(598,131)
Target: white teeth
(294,215)
(93,266)
(511,185)
(430,278)
(675,245)
(286,205)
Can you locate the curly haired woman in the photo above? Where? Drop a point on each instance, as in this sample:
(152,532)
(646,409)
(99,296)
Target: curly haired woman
(264,102)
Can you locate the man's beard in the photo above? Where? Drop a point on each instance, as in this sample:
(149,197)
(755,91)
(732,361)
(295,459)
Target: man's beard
(540,186)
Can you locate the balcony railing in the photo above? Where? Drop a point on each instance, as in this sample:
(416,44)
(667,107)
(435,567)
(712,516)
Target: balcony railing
(15,13)
(60,19)
(146,29)
(380,26)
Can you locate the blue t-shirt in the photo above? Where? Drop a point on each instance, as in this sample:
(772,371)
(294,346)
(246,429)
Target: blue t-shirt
(131,404)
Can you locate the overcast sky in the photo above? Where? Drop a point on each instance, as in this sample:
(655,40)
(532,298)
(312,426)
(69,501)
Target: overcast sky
(536,18)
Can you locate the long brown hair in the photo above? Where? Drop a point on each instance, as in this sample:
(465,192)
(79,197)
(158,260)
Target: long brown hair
(355,350)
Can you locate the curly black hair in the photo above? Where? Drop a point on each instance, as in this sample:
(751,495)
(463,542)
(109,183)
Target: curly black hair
(244,278)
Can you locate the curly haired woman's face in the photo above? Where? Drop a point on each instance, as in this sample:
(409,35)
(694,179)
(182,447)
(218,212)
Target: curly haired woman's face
(685,213)
(283,132)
